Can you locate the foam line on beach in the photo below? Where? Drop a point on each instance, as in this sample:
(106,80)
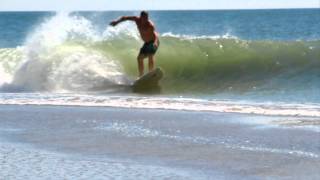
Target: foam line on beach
(168,103)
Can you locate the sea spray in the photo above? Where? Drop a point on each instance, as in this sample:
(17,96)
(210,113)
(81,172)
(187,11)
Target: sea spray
(50,64)
(67,53)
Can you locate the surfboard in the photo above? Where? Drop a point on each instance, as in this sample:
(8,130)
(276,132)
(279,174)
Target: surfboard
(148,83)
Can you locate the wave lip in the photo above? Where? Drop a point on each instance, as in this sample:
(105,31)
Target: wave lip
(57,58)
(77,57)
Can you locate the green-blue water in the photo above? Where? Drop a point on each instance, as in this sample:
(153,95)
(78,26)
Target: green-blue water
(271,55)
(240,96)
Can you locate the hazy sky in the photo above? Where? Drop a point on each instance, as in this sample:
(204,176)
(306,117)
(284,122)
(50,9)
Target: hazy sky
(6,5)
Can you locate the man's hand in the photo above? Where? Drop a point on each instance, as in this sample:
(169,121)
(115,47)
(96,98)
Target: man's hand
(124,18)
(114,23)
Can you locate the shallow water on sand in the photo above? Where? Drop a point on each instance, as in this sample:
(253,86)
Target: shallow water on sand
(157,143)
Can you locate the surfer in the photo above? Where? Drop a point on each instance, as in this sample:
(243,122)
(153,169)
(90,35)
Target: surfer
(148,35)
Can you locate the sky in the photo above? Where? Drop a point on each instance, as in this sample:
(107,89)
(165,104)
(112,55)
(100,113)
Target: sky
(29,5)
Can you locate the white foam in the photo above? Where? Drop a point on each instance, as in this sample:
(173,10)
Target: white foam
(192,37)
(9,58)
(49,63)
(59,28)
(5,76)
(125,29)
(276,108)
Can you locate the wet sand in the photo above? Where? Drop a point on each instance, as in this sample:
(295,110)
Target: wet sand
(123,143)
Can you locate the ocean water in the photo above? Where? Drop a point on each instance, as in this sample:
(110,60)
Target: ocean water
(240,96)
(243,61)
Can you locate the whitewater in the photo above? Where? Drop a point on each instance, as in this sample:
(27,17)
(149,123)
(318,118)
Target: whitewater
(67,56)
(239,98)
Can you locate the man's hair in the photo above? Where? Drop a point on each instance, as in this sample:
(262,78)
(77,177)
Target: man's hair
(144,13)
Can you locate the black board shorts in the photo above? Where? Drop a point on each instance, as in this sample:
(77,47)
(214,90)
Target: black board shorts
(149,48)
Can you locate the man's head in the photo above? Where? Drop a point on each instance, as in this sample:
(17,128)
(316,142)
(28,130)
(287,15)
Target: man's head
(144,15)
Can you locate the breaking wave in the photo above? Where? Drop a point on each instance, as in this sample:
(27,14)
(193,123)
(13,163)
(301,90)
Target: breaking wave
(66,53)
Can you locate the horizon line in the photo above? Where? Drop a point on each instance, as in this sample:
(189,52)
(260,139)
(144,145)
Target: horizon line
(115,10)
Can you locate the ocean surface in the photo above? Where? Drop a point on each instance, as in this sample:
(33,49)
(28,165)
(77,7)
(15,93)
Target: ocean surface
(240,96)
(244,61)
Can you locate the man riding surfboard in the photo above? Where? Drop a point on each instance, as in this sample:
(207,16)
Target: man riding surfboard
(148,35)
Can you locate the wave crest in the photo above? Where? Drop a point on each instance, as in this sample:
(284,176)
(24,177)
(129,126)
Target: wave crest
(76,57)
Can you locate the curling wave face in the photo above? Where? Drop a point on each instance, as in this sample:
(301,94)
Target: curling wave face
(75,57)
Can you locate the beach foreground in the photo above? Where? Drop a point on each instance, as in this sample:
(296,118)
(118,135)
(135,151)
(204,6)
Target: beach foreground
(55,142)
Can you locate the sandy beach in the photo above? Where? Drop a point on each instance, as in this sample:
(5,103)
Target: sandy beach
(56,142)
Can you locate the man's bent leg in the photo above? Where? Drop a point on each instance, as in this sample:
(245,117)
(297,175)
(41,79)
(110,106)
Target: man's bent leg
(140,64)
(151,62)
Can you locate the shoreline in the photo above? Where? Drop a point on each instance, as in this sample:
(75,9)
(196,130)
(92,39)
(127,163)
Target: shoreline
(278,109)
(308,123)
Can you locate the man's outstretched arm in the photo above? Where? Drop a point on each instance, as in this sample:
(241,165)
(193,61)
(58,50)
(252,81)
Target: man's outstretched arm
(124,18)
